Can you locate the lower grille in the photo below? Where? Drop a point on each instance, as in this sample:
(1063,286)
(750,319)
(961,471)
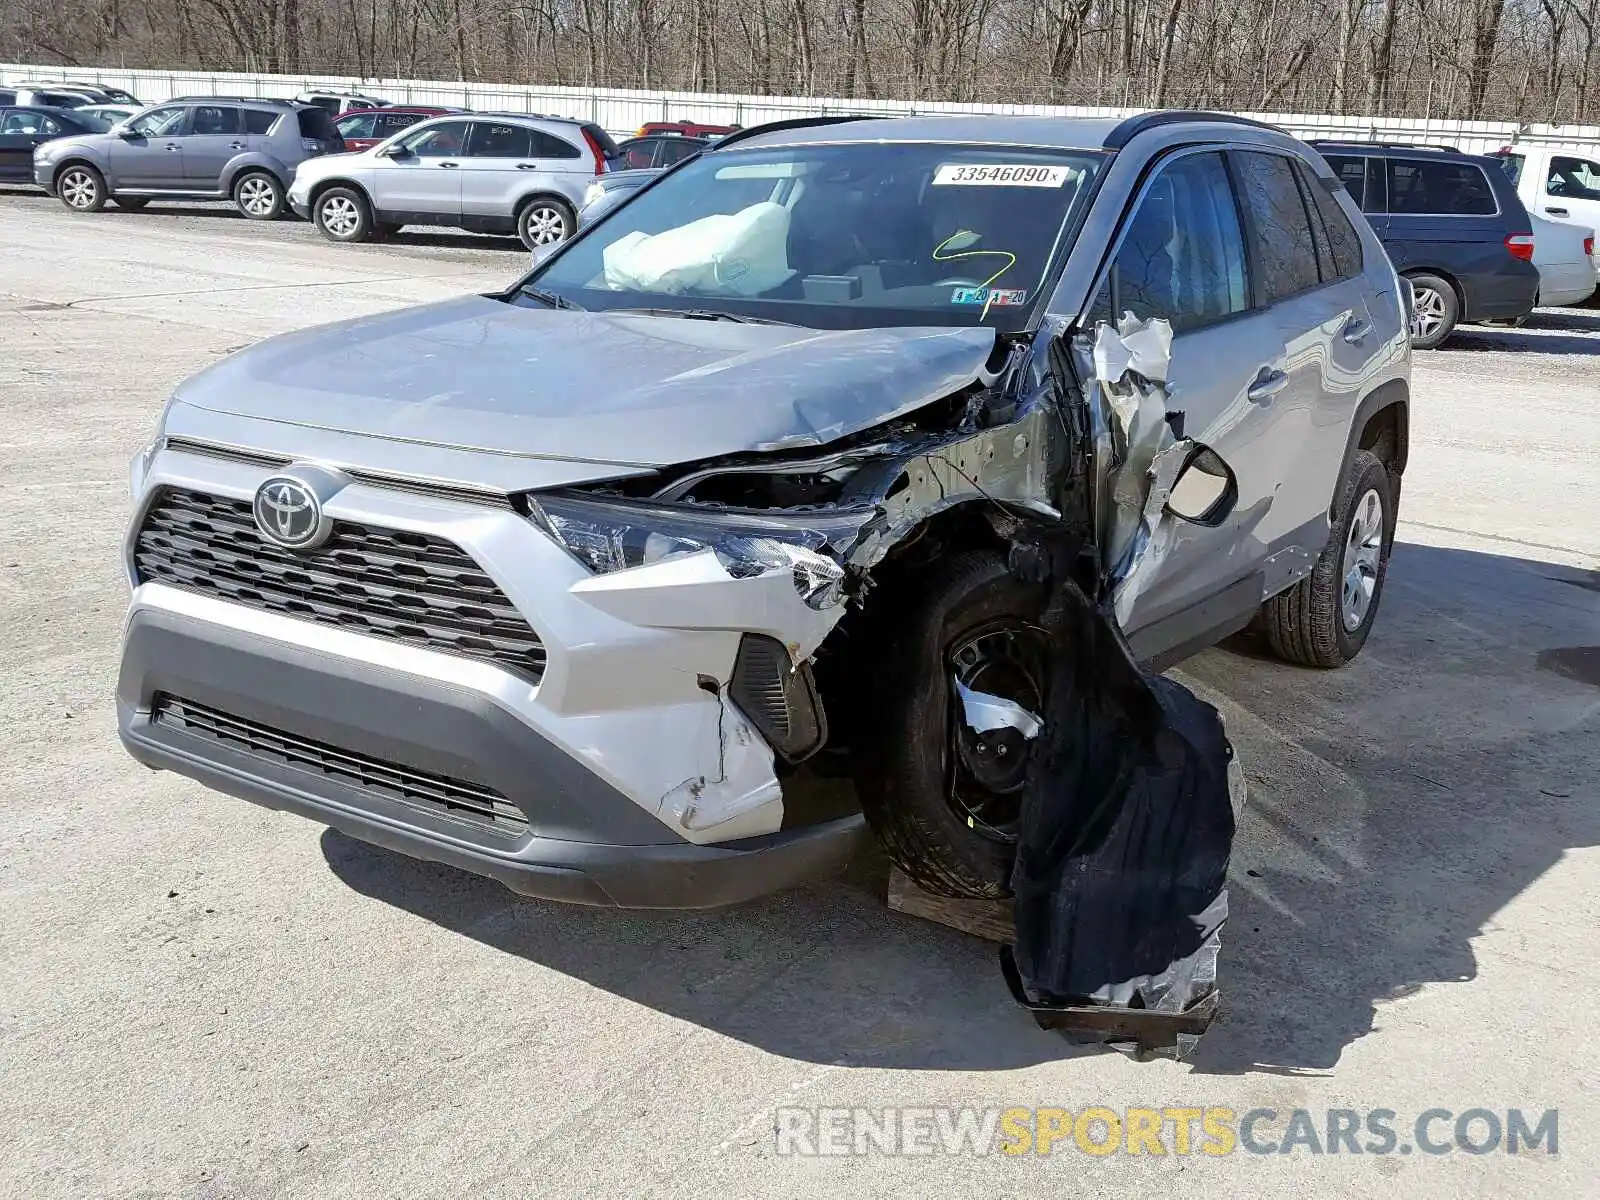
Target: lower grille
(463,798)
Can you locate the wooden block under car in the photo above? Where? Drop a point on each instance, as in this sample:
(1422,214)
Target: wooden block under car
(987,919)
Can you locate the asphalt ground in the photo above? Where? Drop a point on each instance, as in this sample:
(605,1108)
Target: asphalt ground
(202,998)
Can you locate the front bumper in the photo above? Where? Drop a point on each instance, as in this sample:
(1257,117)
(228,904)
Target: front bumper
(640,785)
(44,175)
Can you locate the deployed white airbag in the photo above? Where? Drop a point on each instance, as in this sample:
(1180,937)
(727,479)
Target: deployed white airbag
(733,254)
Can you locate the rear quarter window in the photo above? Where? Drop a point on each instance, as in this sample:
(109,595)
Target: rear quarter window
(316,123)
(547,145)
(1285,253)
(259,120)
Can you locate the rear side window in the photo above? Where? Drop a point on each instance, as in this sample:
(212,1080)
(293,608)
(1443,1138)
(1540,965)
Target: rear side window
(357,125)
(1338,243)
(546,145)
(640,153)
(675,150)
(315,123)
(1352,172)
(1512,165)
(259,120)
(1452,189)
(29,124)
(1183,257)
(214,118)
(1280,229)
(491,140)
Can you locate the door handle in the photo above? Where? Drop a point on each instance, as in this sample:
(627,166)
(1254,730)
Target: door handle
(1267,385)
(172,149)
(1355,330)
(235,145)
(1555,212)
(526,167)
(446,164)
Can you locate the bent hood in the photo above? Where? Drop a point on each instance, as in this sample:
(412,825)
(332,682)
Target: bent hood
(619,389)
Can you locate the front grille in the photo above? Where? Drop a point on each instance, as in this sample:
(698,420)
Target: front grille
(473,801)
(412,587)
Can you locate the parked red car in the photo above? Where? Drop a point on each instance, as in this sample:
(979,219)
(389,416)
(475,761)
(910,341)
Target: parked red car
(365,127)
(686,128)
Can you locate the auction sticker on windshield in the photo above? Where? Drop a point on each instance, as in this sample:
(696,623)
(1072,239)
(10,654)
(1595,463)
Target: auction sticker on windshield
(1001,175)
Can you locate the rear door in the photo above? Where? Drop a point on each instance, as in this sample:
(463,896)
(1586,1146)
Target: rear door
(426,181)
(150,154)
(1182,256)
(499,161)
(214,138)
(1306,260)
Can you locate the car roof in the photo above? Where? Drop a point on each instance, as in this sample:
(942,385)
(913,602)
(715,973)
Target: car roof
(428,110)
(1064,133)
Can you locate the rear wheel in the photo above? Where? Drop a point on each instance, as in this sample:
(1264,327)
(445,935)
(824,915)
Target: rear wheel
(544,222)
(258,196)
(1324,620)
(131,203)
(343,215)
(1437,311)
(943,798)
(81,188)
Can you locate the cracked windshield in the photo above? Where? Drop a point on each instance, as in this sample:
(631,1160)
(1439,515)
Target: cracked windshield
(848,236)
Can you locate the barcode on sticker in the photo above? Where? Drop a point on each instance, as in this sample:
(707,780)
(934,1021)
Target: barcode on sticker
(1000,175)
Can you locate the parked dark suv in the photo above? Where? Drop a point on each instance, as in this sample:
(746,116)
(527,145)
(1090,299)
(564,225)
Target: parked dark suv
(1453,225)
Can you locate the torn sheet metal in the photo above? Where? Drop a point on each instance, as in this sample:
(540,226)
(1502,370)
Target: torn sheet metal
(985,713)
(1127,823)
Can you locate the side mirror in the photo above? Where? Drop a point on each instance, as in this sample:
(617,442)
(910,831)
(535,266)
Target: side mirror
(1205,491)
(125,131)
(396,151)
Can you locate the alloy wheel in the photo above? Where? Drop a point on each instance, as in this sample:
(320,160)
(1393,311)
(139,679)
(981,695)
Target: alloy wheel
(1363,554)
(545,225)
(340,217)
(1429,315)
(79,188)
(257,196)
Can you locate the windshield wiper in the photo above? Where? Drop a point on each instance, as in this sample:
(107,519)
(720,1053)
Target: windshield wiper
(553,300)
(702,314)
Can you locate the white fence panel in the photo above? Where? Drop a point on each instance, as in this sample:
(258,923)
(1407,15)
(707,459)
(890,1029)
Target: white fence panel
(622,111)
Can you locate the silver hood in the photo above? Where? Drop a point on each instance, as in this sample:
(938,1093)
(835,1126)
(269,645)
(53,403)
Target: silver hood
(628,391)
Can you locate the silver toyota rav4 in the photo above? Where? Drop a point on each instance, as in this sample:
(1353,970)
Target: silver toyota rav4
(659,578)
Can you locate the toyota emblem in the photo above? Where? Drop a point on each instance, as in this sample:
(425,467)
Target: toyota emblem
(288,513)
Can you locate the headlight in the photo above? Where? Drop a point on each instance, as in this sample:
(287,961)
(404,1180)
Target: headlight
(611,536)
(593,192)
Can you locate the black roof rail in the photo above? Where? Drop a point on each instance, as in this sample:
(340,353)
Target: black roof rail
(1131,128)
(740,135)
(1384,145)
(233,99)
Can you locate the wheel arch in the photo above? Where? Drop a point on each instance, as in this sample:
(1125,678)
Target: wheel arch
(323,186)
(1382,425)
(78,160)
(543,193)
(1414,269)
(244,165)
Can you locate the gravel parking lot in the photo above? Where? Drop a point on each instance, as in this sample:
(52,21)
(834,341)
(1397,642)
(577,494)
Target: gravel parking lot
(202,998)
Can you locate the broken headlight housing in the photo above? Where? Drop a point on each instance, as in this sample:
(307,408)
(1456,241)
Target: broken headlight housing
(614,535)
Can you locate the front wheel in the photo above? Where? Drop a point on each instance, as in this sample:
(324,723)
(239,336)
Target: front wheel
(544,223)
(343,215)
(258,196)
(1436,313)
(1324,620)
(81,188)
(943,797)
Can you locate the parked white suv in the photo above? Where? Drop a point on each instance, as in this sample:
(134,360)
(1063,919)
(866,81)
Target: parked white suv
(488,172)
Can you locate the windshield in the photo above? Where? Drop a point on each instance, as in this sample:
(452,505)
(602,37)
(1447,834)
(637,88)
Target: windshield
(834,236)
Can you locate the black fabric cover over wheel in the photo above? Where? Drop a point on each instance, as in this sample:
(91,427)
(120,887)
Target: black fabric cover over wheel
(1437,311)
(343,214)
(905,773)
(1324,620)
(131,203)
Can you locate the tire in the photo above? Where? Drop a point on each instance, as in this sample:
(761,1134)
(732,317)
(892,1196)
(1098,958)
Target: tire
(258,195)
(1322,621)
(545,221)
(131,203)
(912,771)
(81,188)
(1437,313)
(342,214)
